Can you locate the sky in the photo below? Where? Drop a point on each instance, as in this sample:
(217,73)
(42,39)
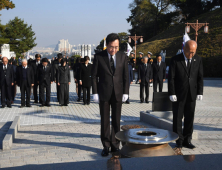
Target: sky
(79,21)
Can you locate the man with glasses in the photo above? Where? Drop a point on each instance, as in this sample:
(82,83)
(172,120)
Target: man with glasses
(110,85)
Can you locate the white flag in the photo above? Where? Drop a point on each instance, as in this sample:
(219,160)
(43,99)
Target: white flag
(129,49)
(185,39)
(27,56)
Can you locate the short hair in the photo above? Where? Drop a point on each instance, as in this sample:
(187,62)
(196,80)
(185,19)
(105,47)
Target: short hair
(64,60)
(78,60)
(112,37)
(37,56)
(86,58)
(24,60)
(45,60)
(145,57)
(59,55)
(158,56)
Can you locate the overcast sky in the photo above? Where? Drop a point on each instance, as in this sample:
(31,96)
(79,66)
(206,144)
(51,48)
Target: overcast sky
(79,21)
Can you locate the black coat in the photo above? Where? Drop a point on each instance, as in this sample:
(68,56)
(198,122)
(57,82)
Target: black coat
(19,76)
(145,75)
(130,69)
(85,75)
(9,75)
(119,81)
(159,72)
(47,75)
(35,68)
(76,69)
(63,75)
(179,81)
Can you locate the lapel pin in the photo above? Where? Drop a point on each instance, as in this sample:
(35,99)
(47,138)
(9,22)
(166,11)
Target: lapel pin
(194,60)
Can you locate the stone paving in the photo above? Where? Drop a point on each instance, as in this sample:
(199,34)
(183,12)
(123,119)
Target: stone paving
(71,134)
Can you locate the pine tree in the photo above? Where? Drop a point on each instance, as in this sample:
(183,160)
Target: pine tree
(21,36)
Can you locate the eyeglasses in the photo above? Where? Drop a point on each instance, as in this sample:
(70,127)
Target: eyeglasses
(112,48)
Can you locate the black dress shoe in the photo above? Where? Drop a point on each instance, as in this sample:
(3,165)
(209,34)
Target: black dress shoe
(141,101)
(48,105)
(127,102)
(78,100)
(88,103)
(36,101)
(147,101)
(28,105)
(22,106)
(105,151)
(65,104)
(188,145)
(9,106)
(42,105)
(3,106)
(84,103)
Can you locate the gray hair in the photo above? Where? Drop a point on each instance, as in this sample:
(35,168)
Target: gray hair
(145,57)
(24,60)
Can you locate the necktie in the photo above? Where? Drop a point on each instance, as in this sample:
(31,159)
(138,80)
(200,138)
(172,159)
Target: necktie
(145,66)
(112,64)
(4,67)
(44,68)
(188,66)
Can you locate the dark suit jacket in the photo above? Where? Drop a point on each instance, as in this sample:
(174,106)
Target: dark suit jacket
(179,81)
(9,75)
(85,75)
(130,69)
(47,75)
(145,75)
(159,72)
(19,77)
(77,71)
(35,68)
(63,75)
(119,81)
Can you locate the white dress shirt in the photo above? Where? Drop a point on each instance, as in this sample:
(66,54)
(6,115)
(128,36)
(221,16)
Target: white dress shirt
(25,67)
(4,66)
(114,59)
(186,60)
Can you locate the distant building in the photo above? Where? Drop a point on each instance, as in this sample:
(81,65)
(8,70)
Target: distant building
(63,45)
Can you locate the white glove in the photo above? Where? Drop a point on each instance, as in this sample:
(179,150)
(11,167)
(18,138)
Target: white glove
(173,98)
(96,98)
(125,97)
(200,97)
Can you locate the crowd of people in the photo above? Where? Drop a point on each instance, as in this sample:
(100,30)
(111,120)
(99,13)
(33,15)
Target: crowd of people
(38,75)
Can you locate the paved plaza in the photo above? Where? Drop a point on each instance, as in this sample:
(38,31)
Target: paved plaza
(71,134)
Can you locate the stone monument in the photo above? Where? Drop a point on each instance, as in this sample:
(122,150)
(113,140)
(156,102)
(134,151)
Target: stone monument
(5,50)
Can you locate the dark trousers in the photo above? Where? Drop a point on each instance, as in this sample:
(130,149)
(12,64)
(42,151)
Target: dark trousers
(86,89)
(36,86)
(41,92)
(58,92)
(64,93)
(6,94)
(79,90)
(25,88)
(155,82)
(142,86)
(107,139)
(13,92)
(186,109)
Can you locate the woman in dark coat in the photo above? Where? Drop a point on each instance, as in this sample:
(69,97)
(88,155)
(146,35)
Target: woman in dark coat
(85,79)
(63,80)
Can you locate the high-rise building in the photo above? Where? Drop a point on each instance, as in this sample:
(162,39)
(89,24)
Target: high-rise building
(63,45)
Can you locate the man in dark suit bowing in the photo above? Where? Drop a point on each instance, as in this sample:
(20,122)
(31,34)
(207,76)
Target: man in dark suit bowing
(110,85)
(6,82)
(25,79)
(185,85)
(145,77)
(159,73)
(45,77)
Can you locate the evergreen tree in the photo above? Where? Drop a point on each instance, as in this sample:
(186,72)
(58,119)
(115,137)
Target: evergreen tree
(21,36)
